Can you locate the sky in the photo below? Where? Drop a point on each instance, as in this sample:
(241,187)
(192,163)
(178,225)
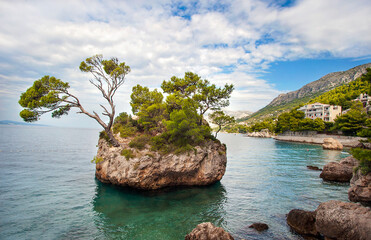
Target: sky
(262,47)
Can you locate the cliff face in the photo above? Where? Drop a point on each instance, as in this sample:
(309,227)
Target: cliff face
(324,84)
(150,170)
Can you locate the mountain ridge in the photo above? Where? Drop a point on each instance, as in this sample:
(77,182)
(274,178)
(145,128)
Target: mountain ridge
(313,89)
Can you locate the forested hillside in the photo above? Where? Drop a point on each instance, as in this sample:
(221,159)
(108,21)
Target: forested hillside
(285,102)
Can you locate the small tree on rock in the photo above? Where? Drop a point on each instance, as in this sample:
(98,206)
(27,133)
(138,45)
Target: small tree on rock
(50,94)
(219,118)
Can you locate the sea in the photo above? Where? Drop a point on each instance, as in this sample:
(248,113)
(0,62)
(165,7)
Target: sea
(48,190)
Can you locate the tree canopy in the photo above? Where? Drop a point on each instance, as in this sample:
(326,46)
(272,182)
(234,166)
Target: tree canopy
(50,94)
(221,119)
(177,121)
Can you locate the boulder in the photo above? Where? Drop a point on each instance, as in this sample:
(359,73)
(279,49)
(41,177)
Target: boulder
(341,220)
(334,171)
(360,188)
(302,222)
(259,226)
(149,170)
(332,144)
(350,161)
(207,231)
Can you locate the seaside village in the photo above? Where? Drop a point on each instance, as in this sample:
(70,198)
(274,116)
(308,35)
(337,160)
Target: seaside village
(328,113)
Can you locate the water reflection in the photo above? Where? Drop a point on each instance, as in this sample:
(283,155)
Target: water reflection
(128,214)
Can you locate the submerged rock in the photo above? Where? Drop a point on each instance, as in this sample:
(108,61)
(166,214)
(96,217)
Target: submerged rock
(207,231)
(149,170)
(259,226)
(341,220)
(314,168)
(360,188)
(332,144)
(302,222)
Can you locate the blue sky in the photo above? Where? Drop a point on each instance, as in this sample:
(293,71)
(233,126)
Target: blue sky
(263,47)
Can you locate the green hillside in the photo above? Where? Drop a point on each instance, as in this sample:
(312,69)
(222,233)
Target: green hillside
(313,92)
(344,95)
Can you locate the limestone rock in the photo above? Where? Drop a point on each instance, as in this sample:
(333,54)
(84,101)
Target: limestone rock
(334,171)
(332,144)
(259,226)
(360,188)
(350,161)
(207,231)
(150,170)
(341,220)
(262,134)
(302,222)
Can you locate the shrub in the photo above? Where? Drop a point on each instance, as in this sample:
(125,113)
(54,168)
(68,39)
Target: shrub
(140,142)
(103,135)
(125,125)
(127,153)
(97,160)
(364,158)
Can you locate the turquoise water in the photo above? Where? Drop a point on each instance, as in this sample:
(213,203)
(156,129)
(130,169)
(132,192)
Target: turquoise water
(48,190)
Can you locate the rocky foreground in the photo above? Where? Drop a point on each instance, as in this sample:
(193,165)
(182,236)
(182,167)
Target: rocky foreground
(150,170)
(333,220)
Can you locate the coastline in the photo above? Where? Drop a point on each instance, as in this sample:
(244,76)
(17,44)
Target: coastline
(346,141)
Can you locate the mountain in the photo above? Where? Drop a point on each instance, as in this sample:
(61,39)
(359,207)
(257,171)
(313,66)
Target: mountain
(8,122)
(286,101)
(238,114)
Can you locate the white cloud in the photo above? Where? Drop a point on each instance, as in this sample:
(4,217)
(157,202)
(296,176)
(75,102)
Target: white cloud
(53,37)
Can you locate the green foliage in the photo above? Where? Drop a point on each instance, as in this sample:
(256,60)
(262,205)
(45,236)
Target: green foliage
(112,67)
(267,124)
(295,121)
(142,98)
(45,95)
(103,135)
(353,121)
(204,95)
(125,125)
(183,128)
(178,122)
(139,142)
(364,158)
(219,118)
(289,121)
(50,94)
(236,128)
(344,95)
(127,153)
(97,160)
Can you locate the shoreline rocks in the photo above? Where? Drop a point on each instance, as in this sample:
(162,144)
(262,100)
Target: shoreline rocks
(332,144)
(333,220)
(342,220)
(207,231)
(339,172)
(302,222)
(149,170)
(360,188)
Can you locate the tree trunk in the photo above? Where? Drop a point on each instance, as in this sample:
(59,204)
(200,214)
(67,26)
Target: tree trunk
(216,134)
(112,139)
